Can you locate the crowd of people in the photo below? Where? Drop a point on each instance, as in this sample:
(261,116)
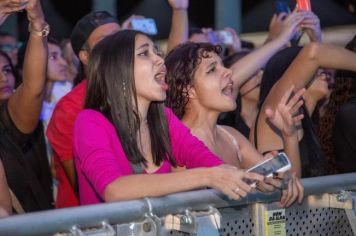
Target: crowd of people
(104,116)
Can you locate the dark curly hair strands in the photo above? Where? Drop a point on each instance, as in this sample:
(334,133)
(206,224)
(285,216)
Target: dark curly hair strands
(111,91)
(182,63)
(14,71)
(344,90)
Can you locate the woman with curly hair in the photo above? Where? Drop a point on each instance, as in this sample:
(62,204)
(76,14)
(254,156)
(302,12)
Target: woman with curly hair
(200,88)
(338,139)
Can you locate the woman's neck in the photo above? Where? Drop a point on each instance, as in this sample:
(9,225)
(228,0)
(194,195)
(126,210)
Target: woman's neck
(310,103)
(202,124)
(48,91)
(249,110)
(143,107)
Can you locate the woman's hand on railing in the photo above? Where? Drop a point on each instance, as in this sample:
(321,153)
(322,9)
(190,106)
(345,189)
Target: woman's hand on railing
(290,184)
(292,189)
(231,181)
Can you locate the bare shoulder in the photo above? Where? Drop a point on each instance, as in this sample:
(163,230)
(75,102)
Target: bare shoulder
(242,140)
(235,133)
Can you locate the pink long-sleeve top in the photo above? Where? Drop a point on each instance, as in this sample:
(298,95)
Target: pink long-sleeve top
(100,158)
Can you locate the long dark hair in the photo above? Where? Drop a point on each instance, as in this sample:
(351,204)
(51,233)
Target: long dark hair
(21,56)
(182,63)
(344,90)
(111,90)
(14,71)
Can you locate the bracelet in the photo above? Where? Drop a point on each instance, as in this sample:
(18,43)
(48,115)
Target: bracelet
(43,33)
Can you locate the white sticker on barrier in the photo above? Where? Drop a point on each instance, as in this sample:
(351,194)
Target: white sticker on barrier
(275,222)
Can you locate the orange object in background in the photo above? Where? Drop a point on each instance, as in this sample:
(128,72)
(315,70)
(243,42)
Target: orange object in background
(304,5)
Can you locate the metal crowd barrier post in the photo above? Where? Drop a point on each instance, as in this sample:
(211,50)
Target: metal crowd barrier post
(328,209)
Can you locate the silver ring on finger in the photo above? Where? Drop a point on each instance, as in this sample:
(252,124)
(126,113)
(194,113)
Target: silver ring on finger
(236,190)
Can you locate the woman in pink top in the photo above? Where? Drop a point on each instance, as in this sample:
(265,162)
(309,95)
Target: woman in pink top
(125,125)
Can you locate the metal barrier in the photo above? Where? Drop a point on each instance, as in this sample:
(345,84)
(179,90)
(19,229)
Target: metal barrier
(327,209)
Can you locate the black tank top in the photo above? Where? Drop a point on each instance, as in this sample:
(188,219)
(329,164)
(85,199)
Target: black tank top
(26,164)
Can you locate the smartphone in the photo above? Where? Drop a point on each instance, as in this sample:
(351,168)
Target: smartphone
(213,37)
(225,37)
(279,163)
(282,7)
(304,5)
(145,25)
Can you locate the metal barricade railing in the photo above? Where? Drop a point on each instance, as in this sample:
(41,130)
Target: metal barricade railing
(327,210)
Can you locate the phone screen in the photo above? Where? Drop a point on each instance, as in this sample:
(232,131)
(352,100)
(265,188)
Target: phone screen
(225,37)
(271,166)
(146,25)
(213,37)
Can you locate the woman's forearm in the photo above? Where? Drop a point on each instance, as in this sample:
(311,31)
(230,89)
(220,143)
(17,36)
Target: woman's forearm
(25,104)
(302,70)
(179,29)
(291,148)
(247,66)
(154,185)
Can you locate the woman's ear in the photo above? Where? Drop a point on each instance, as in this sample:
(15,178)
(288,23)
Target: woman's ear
(190,90)
(84,57)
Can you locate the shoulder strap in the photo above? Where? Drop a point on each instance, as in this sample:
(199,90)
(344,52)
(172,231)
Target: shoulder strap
(255,130)
(15,203)
(233,140)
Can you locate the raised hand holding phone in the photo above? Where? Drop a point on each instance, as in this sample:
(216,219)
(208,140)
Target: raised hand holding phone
(230,38)
(9,6)
(311,25)
(127,23)
(276,24)
(291,26)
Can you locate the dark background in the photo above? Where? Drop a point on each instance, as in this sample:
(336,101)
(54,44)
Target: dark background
(62,15)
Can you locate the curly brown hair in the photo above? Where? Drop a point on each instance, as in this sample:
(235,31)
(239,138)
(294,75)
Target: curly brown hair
(182,63)
(344,90)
